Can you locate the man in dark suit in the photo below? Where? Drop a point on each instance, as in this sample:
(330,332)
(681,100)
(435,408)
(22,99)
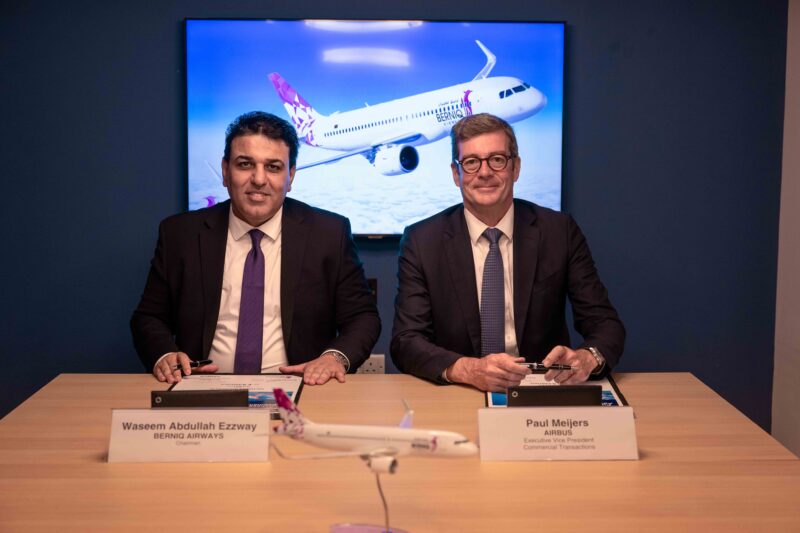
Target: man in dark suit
(519,260)
(259,281)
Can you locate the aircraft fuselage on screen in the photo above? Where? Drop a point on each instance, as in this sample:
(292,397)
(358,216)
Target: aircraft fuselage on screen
(386,133)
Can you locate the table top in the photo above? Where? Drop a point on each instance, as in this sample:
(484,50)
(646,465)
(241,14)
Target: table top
(703,465)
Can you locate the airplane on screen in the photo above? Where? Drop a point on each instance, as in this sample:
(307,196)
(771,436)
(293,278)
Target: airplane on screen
(378,446)
(386,134)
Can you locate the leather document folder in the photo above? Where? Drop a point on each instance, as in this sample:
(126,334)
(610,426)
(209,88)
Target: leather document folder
(555,396)
(199,398)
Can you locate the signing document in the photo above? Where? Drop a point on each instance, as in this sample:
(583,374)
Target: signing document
(259,386)
(610,394)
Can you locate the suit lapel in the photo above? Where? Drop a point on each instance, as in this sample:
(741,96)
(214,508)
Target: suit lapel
(294,236)
(211,241)
(461,264)
(526,253)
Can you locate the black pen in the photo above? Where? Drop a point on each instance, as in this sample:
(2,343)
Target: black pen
(195,364)
(542,367)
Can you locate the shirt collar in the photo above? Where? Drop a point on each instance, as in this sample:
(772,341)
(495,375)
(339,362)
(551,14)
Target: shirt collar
(476,227)
(271,228)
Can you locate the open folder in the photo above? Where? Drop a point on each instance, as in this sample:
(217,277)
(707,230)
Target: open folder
(609,394)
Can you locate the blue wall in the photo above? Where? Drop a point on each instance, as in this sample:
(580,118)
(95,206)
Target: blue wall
(673,124)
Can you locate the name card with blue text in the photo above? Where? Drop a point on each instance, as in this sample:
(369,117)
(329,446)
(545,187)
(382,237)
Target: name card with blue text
(189,435)
(557,433)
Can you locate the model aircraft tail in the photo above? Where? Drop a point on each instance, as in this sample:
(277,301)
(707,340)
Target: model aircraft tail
(302,114)
(408,418)
(293,420)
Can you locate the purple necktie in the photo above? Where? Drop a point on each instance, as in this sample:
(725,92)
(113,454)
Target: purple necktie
(493,297)
(250,335)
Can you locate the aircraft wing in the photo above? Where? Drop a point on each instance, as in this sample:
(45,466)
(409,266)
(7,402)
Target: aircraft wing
(378,452)
(400,139)
(334,158)
(214,170)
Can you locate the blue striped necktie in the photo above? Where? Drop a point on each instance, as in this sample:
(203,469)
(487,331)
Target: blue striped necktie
(250,335)
(493,297)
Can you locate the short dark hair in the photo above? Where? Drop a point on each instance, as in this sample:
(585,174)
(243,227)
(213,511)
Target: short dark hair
(266,124)
(474,125)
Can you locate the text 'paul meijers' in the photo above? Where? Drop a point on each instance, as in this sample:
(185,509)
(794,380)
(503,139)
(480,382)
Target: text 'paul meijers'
(566,423)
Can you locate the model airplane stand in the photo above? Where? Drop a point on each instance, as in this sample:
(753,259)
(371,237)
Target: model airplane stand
(378,446)
(369,528)
(359,528)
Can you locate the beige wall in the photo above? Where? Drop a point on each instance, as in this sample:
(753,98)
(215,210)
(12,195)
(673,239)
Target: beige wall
(786,385)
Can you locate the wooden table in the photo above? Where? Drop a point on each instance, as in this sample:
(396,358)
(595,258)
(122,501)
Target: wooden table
(704,467)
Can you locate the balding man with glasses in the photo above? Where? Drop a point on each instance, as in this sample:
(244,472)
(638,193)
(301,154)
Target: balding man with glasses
(483,285)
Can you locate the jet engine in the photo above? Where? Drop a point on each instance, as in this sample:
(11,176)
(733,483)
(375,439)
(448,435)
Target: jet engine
(395,160)
(383,464)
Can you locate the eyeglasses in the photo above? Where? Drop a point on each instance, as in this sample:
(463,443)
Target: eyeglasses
(471,165)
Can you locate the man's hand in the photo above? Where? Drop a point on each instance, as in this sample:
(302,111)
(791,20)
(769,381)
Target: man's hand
(319,371)
(582,362)
(495,372)
(169,367)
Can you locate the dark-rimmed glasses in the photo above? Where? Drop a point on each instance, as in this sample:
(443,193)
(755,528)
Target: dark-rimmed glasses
(496,162)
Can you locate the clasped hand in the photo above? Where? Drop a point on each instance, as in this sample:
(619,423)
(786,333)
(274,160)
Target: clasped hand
(499,371)
(494,372)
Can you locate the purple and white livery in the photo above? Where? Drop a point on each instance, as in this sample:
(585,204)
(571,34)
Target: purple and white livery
(386,133)
(293,420)
(302,114)
(378,446)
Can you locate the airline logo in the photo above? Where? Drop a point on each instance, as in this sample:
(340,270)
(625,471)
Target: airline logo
(292,418)
(467,103)
(300,111)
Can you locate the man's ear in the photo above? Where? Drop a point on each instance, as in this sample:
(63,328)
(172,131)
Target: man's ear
(456,174)
(291,178)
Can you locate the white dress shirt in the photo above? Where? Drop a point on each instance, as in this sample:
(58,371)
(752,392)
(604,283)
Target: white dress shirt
(237,247)
(480,249)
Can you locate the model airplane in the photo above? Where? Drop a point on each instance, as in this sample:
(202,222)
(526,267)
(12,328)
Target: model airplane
(386,133)
(379,446)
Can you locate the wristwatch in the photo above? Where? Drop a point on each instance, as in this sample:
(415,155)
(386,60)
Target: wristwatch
(340,357)
(601,361)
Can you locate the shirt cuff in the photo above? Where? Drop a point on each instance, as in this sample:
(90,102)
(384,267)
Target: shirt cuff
(345,362)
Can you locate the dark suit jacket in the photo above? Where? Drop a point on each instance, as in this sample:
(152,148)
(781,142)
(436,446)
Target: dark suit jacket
(437,317)
(325,300)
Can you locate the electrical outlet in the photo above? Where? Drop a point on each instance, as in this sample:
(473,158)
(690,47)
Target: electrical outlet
(376,364)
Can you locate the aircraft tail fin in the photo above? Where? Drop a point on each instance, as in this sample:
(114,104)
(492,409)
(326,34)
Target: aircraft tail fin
(293,420)
(300,111)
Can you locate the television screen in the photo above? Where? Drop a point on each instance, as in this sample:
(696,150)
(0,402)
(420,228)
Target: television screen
(373,103)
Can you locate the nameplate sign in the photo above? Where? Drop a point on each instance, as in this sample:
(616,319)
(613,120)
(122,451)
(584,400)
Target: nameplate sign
(557,433)
(189,435)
